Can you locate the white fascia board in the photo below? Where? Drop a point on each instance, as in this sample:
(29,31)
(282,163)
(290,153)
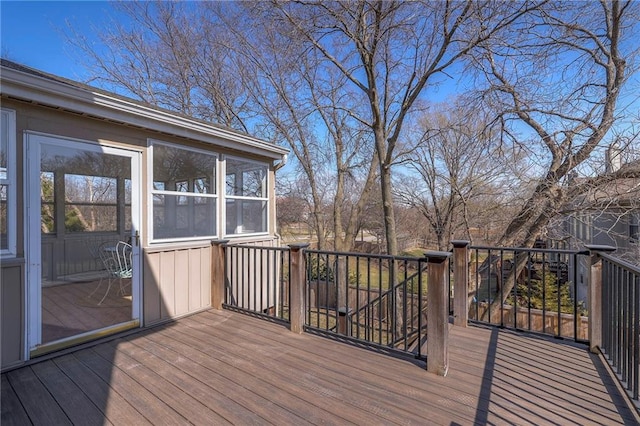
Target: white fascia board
(57,94)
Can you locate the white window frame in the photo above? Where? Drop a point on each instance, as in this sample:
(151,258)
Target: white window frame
(153,191)
(223,203)
(10,182)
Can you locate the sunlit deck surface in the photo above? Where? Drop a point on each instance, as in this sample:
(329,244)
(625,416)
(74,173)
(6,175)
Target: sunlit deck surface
(221,367)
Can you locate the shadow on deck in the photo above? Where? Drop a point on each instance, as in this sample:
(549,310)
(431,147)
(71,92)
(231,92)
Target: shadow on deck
(221,367)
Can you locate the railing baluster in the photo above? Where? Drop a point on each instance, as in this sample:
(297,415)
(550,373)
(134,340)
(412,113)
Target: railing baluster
(636,337)
(254,279)
(369,309)
(576,316)
(380,306)
(357,296)
(544,294)
(628,328)
(529,272)
(477,281)
(502,283)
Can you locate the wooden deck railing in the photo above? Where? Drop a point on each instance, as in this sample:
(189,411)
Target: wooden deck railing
(616,325)
(252,279)
(536,290)
(329,291)
(363,297)
(378,299)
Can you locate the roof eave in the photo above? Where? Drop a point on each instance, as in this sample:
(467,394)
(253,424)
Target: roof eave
(36,89)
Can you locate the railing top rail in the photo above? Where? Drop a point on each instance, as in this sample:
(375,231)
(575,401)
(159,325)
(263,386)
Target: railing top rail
(619,262)
(531,249)
(348,253)
(257,247)
(366,255)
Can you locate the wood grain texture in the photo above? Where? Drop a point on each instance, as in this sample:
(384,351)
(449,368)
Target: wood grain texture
(221,367)
(69,309)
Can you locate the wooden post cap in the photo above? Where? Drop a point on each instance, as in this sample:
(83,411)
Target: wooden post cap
(460,243)
(437,256)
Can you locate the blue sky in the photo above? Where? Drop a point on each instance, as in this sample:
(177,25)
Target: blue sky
(32,32)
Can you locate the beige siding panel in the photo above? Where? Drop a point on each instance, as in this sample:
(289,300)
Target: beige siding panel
(168,275)
(151,288)
(195,278)
(11,314)
(205,273)
(182,282)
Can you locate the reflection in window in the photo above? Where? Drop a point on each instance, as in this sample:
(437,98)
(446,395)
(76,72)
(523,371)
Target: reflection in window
(246,197)
(47,206)
(85,191)
(90,203)
(246,216)
(182,187)
(246,179)
(4,146)
(184,198)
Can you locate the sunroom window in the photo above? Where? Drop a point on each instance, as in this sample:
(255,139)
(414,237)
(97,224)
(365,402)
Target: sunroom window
(183,192)
(8,184)
(246,196)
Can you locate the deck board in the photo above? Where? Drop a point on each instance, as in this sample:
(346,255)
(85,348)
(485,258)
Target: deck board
(78,408)
(40,406)
(118,410)
(11,410)
(220,367)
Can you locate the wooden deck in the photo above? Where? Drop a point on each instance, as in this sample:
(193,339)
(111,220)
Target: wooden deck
(71,308)
(220,367)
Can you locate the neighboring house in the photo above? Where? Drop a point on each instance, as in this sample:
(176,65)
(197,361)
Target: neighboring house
(84,172)
(607,214)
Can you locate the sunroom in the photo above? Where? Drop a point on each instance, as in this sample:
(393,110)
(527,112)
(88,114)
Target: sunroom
(109,208)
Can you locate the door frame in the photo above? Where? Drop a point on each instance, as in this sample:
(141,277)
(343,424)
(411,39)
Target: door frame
(33,244)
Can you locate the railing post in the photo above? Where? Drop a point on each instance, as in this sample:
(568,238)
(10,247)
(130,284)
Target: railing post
(218,279)
(460,282)
(344,321)
(297,285)
(595,296)
(437,312)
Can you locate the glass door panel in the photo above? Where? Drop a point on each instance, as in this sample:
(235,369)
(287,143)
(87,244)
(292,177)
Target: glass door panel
(87,274)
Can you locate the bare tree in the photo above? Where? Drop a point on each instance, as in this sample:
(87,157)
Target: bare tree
(456,161)
(390,52)
(171,55)
(555,80)
(560,77)
(606,209)
(232,63)
(301,101)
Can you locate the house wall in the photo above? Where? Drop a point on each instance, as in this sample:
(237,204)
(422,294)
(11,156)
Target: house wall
(11,312)
(610,229)
(177,281)
(176,277)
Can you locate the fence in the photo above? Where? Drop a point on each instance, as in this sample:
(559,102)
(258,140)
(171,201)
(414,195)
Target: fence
(376,299)
(399,303)
(620,303)
(536,290)
(379,300)
(256,279)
